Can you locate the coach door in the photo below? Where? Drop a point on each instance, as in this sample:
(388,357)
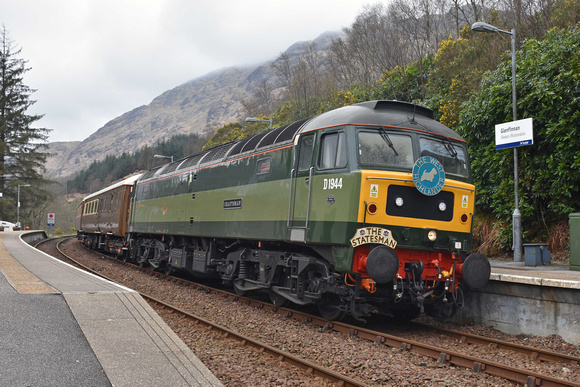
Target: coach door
(300,188)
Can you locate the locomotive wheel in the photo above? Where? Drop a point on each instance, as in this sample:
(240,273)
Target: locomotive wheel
(329,307)
(277,299)
(284,281)
(142,257)
(441,312)
(240,292)
(130,255)
(143,252)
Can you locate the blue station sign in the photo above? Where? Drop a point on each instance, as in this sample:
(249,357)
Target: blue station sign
(514,133)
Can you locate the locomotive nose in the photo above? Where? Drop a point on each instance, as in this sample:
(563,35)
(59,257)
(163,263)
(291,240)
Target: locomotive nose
(476,270)
(382,264)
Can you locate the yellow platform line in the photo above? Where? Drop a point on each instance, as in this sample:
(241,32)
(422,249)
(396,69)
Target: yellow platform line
(22,280)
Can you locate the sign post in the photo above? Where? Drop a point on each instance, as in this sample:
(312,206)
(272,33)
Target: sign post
(513,135)
(50,221)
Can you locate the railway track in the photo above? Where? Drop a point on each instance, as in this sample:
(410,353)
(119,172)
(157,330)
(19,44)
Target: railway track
(282,356)
(443,356)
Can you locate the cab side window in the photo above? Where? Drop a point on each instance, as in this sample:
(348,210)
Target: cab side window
(332,151)
(306,150)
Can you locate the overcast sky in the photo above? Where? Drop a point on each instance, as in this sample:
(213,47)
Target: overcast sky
(93,60)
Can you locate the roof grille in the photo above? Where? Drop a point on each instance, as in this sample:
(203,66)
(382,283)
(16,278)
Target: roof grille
(289,132)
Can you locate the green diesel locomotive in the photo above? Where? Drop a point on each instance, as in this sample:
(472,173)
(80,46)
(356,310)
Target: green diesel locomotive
(363,209)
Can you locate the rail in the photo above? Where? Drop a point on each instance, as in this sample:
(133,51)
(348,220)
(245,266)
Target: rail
(443,356)
(310,367)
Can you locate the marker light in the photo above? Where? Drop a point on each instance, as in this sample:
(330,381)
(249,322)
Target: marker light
(432,235)
(372,208)
(399,201)
(442,206)
(463,218)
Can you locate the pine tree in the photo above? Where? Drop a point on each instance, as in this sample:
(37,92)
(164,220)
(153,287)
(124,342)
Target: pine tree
(21,147)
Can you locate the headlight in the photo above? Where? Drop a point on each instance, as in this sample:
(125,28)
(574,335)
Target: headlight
(442,206)
(399,201)
(432,235)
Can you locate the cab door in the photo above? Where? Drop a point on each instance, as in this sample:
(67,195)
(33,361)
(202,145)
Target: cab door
(301,188)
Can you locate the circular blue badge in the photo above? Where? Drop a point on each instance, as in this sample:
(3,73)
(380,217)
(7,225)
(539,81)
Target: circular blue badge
(428,175)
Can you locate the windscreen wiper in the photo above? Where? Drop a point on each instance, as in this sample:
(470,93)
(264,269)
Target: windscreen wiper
(450,148)
(387,139)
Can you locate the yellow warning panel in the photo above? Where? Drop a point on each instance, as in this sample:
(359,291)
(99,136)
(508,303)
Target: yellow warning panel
(374,191)
(19,277)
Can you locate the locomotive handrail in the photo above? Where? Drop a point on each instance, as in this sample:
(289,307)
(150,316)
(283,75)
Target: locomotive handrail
(308,200)
(387,178)
(463,188)
(410,181)
(291,196)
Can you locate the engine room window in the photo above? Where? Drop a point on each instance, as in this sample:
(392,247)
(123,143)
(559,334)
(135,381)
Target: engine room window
(383,149)
(333,151)
(263,166)
(451,156)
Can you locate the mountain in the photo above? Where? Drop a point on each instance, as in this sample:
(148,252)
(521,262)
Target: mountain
(198,106)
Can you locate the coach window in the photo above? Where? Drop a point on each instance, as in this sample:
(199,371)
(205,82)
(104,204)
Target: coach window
(332,151)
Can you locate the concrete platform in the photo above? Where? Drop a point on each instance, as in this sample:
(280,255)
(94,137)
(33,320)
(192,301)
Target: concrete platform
(553,275)
(61,326)
(535,300)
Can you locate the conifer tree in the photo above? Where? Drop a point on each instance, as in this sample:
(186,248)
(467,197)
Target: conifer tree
(22,155)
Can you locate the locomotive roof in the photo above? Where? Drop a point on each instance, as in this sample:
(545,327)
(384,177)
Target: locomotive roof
(377,113)
(382,113)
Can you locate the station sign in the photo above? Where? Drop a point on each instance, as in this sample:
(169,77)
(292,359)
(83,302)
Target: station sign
(513,134)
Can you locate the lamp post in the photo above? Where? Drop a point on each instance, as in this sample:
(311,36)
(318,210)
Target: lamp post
(18,204)
(252,119)
(163,157)
(517,216)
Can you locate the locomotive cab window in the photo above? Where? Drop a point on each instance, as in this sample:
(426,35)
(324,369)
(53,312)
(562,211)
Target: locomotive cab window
(452,156)
(305,152)
(332,151)
(380,148)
